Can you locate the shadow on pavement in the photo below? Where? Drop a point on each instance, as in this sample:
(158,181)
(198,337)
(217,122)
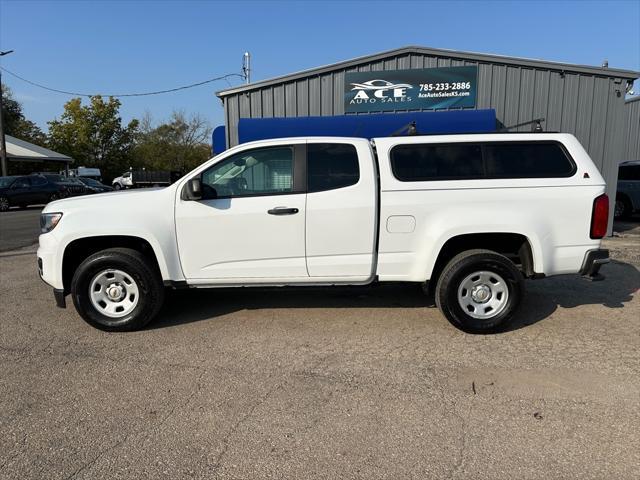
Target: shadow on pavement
(186,306)
(543,297)
(622,281)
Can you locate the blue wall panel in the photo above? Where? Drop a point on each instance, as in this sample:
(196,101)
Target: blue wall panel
(367,126)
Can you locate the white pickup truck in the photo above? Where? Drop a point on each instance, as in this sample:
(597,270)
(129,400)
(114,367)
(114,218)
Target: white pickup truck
(471,216)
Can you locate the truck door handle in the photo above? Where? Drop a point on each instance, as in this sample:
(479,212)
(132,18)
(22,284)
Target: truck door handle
(282,211)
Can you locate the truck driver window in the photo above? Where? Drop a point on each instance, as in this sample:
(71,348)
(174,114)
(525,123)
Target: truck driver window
(264,171)
(331,166)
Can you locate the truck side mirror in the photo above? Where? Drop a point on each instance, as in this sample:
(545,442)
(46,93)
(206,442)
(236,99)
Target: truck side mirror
(192,189)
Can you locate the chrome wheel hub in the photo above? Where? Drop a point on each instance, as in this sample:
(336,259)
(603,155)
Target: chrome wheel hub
(483,295)
(114,293)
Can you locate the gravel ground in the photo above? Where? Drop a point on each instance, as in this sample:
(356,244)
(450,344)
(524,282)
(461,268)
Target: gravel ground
(625,243)
(324,383)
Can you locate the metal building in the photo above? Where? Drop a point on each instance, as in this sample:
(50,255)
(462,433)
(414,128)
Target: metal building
(25,157)
(586,101)
(632,133)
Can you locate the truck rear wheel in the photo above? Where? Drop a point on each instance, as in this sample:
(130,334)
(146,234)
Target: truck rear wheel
(116,290)
(479,291)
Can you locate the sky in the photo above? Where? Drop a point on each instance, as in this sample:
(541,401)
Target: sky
(133,46)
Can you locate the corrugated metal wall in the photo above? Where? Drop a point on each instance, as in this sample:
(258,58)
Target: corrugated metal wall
(591,107)
(632,133)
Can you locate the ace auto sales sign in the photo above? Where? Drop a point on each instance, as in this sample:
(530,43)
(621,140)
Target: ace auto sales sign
(416,89)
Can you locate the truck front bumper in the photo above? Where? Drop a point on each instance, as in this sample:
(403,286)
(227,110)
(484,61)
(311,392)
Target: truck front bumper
(50,260)
(58,293)
(593,260)
(50,266)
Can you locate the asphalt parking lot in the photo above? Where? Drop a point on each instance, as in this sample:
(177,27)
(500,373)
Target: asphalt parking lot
(19,228)
(324,383)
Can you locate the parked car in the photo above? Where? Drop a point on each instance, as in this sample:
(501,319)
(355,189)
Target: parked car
(95,186)
(628,193)
(69,186)
(468,216)
(145,178)
(22,191)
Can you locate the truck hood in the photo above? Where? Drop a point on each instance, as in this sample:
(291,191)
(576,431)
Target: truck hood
(139,200)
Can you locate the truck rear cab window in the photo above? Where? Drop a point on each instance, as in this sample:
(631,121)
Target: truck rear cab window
(331,166)
(482,160)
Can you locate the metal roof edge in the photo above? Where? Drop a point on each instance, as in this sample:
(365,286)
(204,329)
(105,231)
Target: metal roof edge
(478,57)
(22,158)
(39,152)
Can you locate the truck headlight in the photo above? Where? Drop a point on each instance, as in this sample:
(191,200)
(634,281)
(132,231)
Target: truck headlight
(48,221)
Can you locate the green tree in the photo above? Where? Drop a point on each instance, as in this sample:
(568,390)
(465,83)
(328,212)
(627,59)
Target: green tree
(16,124)
(94,136)
(180,144)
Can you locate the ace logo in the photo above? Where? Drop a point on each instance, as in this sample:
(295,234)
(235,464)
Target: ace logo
(412,89)
(382,91)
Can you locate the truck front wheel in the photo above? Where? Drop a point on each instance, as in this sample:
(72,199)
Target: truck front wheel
(479,291)
(117,290)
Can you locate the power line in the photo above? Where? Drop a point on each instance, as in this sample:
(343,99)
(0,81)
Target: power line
(141,94)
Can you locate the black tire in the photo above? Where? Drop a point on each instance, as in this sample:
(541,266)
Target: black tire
(134,264)
(462,267)
(117,186)
(623,208)
(4,204)
(53,197)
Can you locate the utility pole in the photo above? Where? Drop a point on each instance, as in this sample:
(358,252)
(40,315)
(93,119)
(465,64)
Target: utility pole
(246,67)
(3,144)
